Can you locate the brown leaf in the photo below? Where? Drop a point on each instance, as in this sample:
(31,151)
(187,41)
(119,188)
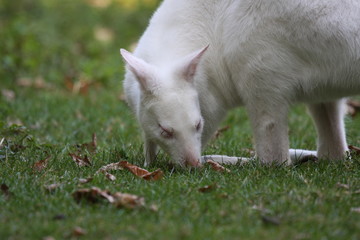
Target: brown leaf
(5,190)
(9,95)
(38,83)
(110,176)
(142,173)
(353,107)
(41,165)
(133,168)
(356,210)
(80,161)
(342,185)
(1,142)
(103,34)
(154,208)
(92,195)
(154,176)
(85,180)
(208,188)
(24,82)
(91,146)
(217,167)
(111,166)
(78,232)
(125,200)
(51,187)
(99,3)
(79,84)
(121,200)
(270,220)
(354,149)
(220,131)
(48,238)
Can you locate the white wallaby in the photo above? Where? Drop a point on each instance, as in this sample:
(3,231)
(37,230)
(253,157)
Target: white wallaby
(200,58)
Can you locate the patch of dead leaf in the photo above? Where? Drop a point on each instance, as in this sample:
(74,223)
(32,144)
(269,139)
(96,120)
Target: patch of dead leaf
(80,161)
(9,95)
(52,187)
(343,186)
(142,173)
(5,191)
(91,147)
(217,166)
(38,83)
(208,188)
(85,180)
(353,107)
(355,210)
(41,165)
(354,149)
(109,167)
(220,131)
(78,232)
(118,199)
(110,176)
(275,221)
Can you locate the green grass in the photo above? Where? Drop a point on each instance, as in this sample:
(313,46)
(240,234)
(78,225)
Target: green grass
(38,41)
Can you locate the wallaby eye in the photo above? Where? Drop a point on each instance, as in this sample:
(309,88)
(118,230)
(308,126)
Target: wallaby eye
(198,126)
(166,132)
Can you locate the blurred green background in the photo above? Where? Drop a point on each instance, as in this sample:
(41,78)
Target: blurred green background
(61,72)
(68,40)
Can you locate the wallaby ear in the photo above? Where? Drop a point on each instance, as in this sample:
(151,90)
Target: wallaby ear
(143,71)
(188,65)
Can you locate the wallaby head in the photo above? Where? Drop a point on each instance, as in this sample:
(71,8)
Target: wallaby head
(168,107)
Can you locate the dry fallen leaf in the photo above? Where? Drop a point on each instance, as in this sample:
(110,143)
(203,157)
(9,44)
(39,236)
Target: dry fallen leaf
(99,3)
(78,232)
(270,220)
(9,95)
(51,187)
(342,185)
(85,180)
(48,238)
(91,146)
(220,131)
(356,210)
(111,166)
(353,107)
(154,207)
(38,83)
(80,161)
(128,200)
(142,173)
(59,217)
(110,176)
(1,142)
(208,188)
(154,176)
(5,190)
(121,200)
(103,34)
(41,165)
(92,194)
(354,149)
(217,167)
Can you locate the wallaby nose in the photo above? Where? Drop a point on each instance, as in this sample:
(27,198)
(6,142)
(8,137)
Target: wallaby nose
(193,162)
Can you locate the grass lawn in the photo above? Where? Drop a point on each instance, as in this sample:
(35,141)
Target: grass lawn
(60,82)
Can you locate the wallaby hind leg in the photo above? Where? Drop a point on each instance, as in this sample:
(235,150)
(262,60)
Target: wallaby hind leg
(329,121)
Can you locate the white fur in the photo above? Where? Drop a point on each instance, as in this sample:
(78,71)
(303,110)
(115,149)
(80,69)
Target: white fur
(264,55)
